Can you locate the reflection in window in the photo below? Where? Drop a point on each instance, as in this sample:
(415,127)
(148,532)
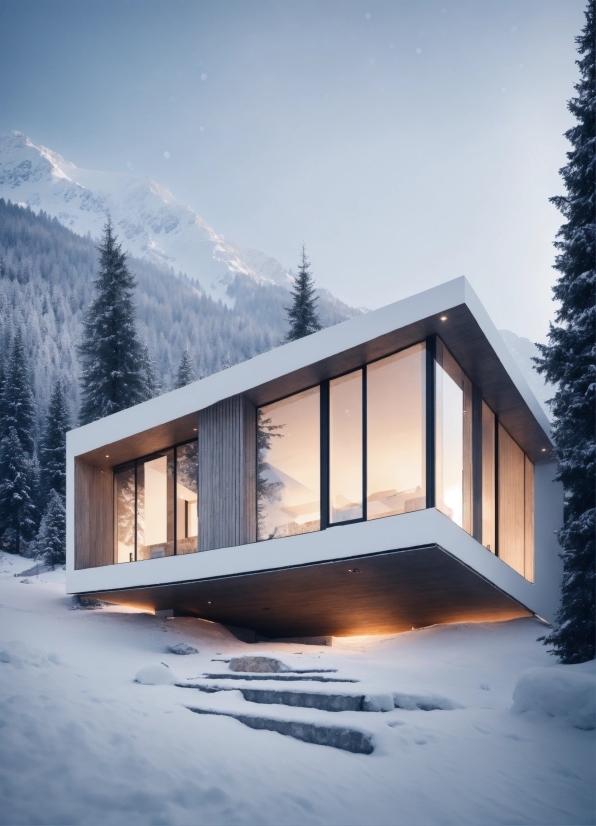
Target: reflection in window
(124,492)
(396,474)
(453,440)
(155,506)
(187,515)
(288,471)
(488,478)
(345,448)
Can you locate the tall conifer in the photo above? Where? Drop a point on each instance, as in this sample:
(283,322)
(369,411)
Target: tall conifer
(51,539)
(113,357)
(568,361)
(53,447)
(185,373)
(302,315)
(17,506)
(18,408)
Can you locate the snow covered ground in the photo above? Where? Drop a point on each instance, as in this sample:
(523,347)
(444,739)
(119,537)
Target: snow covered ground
(82,743)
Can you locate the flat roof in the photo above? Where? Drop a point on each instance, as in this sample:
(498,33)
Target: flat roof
(466,330)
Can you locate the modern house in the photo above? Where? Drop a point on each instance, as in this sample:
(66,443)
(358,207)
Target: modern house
(393,471)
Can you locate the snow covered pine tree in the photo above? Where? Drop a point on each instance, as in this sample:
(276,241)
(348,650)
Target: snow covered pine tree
(568,361)
(53,446)
(302,315)
(51,539)
(185,372)
(17,506)
(115,362)
(18,407)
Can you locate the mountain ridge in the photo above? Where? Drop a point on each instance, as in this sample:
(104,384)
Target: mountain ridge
(150,221)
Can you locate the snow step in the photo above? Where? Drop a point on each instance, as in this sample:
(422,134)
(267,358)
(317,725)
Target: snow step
(296,699)
(281,677)
(357,742)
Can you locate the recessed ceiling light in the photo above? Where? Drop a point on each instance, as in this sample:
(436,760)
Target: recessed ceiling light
(209,602)
(194,428)
(443,318)
(544,450)
(353,570)
(107,455)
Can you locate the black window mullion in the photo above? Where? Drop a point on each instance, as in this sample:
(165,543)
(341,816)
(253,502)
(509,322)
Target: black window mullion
(477,464)
(136,508)
(176,500)
(431,353)
(324,401)
(364,447)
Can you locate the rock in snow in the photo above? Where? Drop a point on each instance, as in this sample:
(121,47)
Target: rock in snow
(259,665)
(156,675)
(557,693)
(182,648)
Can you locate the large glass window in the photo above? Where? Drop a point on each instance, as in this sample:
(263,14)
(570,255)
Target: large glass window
(345,448)
(396,417)
(155,506)
(288,470)
(153,520)
(124,494)
(187,515)
(453,458)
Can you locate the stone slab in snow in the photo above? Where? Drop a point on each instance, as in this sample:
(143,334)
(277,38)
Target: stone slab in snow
(183,649)
(258,665)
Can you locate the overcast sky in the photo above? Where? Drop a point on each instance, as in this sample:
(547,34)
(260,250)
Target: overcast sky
(406,142)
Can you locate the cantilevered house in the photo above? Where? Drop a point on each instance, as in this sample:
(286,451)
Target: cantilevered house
(391,472)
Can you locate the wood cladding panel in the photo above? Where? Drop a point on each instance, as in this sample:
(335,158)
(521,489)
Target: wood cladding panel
(529,520)
(511,487)
(94,516)
(390,592)
(144,443)
(227,474)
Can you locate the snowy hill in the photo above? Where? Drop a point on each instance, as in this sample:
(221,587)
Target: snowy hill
(149,220)
(83,743)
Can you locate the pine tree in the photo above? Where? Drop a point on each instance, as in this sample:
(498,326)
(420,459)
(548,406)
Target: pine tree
(568,361)
(51,539)
(53,446)
(185,373)
(302,315)
(17,507)
(114,359)
(18,408)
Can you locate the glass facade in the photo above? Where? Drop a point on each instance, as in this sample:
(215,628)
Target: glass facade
(453,440)
(289,466)
(187,514)
(151,521)
(396,425)
(345,448)
(357,447)
(124,493)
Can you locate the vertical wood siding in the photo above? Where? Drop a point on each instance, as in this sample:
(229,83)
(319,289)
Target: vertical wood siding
(511,502)
(529,520)
(227,474)
(94,516)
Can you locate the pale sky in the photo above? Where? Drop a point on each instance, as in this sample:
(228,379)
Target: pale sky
(406,142)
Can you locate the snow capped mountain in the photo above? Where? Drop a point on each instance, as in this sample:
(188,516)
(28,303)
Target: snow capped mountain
(150,222)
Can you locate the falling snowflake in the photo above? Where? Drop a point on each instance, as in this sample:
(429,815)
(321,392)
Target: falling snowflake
(418,50)
(203,76)
(166,155)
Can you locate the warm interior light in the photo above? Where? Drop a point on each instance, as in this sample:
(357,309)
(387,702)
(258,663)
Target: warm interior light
(443,318)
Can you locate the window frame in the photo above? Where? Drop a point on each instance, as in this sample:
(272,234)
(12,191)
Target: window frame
(135,462)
